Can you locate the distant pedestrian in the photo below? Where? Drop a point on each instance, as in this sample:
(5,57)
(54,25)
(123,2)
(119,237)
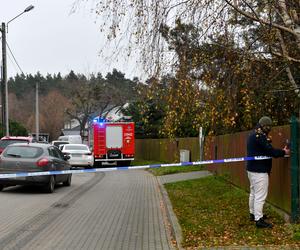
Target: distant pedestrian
(259,144)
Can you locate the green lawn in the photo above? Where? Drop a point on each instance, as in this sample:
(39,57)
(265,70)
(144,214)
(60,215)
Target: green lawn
(214,213)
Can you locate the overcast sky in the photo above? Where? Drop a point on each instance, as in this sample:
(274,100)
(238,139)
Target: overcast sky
(50,39)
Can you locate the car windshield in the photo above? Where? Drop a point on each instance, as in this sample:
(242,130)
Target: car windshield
(75,147)
(5,143)
(23,152)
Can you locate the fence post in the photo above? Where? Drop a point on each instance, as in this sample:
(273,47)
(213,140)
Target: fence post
(201,143)
(294,170)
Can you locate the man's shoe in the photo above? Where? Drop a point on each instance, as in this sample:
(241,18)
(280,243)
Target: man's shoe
(252,217)
(263,224)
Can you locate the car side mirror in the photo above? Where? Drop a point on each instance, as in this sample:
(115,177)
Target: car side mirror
(66,157)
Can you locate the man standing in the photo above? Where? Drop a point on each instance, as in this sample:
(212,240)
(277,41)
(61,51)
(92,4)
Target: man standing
(259,144)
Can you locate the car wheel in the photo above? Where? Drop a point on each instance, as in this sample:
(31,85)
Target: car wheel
(49,188)
(1,187)
(67,183)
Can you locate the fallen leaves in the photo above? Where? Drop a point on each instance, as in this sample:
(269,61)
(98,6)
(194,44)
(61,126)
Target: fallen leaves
(213,213)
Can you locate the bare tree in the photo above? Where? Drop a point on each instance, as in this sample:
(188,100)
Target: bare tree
(139,22)
(83,104)
(17,109)
(51,114)
(87,99)
(21,109)
(283,19)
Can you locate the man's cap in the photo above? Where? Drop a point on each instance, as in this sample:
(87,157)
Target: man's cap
(265,121)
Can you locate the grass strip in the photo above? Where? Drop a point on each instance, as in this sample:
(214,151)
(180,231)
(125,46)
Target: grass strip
(214,213)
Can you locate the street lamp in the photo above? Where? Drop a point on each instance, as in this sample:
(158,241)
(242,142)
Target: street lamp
(4,87)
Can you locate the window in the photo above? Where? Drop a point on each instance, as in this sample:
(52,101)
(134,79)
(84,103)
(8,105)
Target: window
(53,152)
(5,143)
(23,152)
(58,153)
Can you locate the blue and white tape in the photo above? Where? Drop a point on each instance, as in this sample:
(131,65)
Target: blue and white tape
(93,170)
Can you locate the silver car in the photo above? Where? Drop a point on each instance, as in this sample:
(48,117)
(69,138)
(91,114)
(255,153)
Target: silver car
(80,155)
(34,157)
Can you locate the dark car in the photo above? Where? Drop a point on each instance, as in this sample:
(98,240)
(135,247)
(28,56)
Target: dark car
(34,157)
(7,140)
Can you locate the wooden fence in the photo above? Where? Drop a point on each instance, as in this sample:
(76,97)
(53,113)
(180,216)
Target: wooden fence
(221,147)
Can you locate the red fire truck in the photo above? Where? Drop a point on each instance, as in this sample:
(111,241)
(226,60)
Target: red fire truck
(112,142)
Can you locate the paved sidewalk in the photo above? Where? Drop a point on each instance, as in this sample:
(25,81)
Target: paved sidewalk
(111,210)
(183,176)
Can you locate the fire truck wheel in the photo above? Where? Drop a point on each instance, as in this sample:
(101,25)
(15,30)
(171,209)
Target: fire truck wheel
(97,164)
(123,163)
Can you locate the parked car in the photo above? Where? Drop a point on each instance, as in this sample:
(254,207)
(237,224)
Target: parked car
(7,140)
(80,155)
(59,143)
(34,157)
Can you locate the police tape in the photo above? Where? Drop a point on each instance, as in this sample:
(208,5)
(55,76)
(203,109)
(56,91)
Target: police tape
(94,170)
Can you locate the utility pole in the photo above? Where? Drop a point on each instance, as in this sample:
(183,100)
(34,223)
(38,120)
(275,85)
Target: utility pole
(2,117)
(4,88)
(37,126)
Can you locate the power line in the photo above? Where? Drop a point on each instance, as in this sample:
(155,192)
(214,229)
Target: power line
(14,58)
(12,62)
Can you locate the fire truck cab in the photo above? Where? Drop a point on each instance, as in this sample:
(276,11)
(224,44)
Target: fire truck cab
(112,142)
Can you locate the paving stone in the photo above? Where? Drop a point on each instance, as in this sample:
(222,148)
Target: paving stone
(122,211)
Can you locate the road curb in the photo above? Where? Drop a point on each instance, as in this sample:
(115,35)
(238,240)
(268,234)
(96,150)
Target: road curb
(175,227)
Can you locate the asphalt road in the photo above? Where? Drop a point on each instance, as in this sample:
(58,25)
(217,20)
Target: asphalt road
(111,210)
